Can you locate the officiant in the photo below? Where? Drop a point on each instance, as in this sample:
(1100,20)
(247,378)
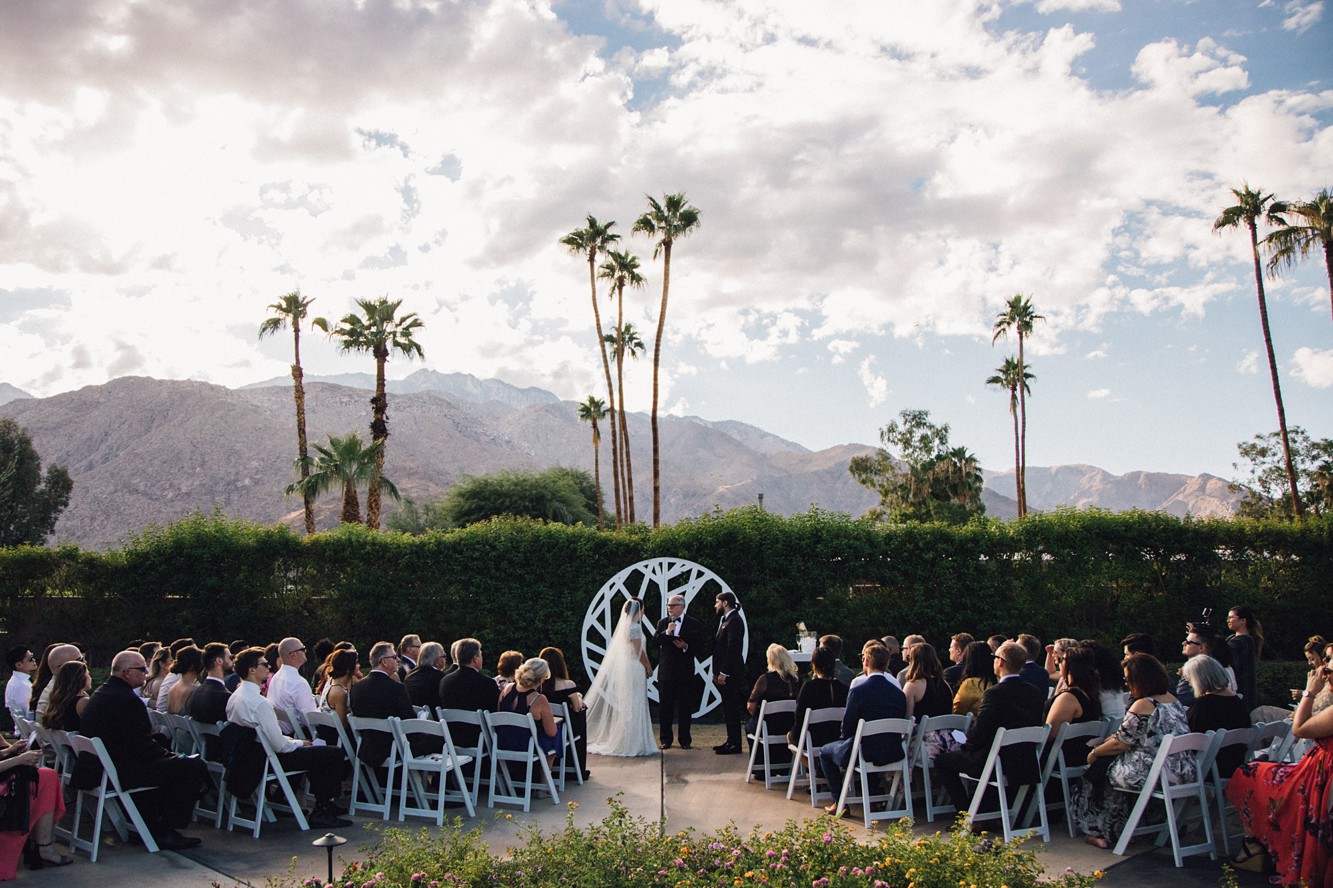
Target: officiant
(679,637)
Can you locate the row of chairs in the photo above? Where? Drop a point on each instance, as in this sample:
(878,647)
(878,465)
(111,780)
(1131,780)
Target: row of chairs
(1207,793)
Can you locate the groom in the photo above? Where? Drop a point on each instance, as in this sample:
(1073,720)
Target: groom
(678,636)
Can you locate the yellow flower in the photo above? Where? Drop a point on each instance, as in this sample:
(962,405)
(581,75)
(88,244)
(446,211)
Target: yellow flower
(509,817)
(573,805)
(1098,874)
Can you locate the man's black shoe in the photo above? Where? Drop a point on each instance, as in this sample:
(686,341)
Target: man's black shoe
(327,821)
(329,807)
(664,745)
(171,840)
(686,746)
(719,747)
(724,749)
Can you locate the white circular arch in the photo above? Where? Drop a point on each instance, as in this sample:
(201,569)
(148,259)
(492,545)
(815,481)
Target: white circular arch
(653,582)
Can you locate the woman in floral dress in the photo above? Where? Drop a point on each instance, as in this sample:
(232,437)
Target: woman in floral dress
(1285,808)
(1100,808)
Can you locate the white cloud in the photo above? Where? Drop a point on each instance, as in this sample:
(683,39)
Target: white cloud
(1099,394)
(1302,15)
(1049,6)
(1314,367)
(841,348)
(1249,363)
(877,387)
(1101,351)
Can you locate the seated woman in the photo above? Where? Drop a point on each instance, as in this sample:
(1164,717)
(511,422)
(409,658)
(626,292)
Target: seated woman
(1054,652)
(1284,808)
(343,670)
(189,664)
(523,698)
(780,682)
(44,810)
(1078,702)
(821,691)
(1215,707)
(158,668)
(1154,713)
(928,694)
(322,673)
(1110,677)
(978,676)
(558,688)
(69,695)
(506,666)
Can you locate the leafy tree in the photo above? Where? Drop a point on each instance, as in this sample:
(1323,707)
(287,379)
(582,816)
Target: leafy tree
(1019,316)
(596,238)
(345,464)
(559,495)
(30,503)
(622,269)
(667,221)
(291,309)
(1294,241)
(1007,376)
(927,480)
(1265,475)
(1250,205)
(591,411)
(380,331)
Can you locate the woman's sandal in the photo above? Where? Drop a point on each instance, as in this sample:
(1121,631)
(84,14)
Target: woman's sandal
(1251,857)
(56,859)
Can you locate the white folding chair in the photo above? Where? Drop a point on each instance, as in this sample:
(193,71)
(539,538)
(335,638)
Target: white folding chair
(1268,738)
(217,771)
(334,726)
(478,751)
(992,777)
(65,758)
(1217,784)
(934,798)
(44,744)
(182,738)
(571,757)
(1174,798)
(1068,772)
(366,776)
(805,755)
(109,790)
(764,741)
(443,764)
(292,723)
(859,770)
(532,757)
(24,727)
(274,772)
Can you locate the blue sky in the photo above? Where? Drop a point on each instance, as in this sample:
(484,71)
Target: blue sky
(875,178)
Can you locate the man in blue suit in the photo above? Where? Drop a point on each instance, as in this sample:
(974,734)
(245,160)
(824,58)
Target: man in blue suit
(878,696)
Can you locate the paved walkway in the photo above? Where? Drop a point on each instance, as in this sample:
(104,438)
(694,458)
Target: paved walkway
(701,790)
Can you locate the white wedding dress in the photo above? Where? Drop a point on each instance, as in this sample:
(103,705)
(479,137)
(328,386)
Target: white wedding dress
(618,720)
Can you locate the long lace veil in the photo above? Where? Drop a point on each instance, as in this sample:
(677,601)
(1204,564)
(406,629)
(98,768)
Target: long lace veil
(619,690)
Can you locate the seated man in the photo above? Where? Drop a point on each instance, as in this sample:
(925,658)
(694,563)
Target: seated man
(876,696)
(423,682)
(323,764)
(957,645)
(466,688)
(1009,703)
(18,692)
(59,656)
(118,716)
(381,695)
(287,688)
(1034,671)
(208,705)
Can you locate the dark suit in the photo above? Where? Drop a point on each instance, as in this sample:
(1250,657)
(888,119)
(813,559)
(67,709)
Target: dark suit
(1011,703)
(116,715)
(677,685)
(378,696)
(876,697)
(208,706)
(1036,675)
(729,661)
(423,686)
(466,688)
(954,676)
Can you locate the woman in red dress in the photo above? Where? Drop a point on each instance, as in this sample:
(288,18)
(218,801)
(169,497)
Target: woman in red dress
(1285,808)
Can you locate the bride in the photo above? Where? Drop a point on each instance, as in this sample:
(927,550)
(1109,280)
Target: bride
(618,721)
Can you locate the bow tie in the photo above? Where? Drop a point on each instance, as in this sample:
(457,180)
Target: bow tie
(675,619)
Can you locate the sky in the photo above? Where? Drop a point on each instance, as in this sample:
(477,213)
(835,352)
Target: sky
(874,180)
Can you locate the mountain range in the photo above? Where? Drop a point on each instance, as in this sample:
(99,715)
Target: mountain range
(146,451)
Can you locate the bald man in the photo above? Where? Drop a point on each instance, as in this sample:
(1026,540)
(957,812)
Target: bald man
(287,688)
(59,656)
(117,715)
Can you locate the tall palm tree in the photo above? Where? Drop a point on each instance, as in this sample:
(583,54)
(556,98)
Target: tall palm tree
(621,269)
(588,241)
(380,330)
(291,309)
(667,221)
(1019,316)
(625,341)
(1250,205)
(592,410)
(1291,242)
(346,463)
(1008,376)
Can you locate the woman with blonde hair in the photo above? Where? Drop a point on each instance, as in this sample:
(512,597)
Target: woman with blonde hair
(158,669)
(780,682)
(523,697)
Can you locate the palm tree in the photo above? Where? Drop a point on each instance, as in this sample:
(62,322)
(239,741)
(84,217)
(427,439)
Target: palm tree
(1249,207)
(621,269)
(625,341)
(592,410)
(292,308)
(1007,376)
(1019,316)
(671,219)
(380,331)
(589,241)
(1290,243)
(346,463)
(959,476)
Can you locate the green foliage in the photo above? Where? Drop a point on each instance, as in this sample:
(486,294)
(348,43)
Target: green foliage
(927,480)
(561,494)
(30,504)
(1264,475)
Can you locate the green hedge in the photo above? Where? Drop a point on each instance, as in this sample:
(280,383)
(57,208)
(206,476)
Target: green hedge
(525,584)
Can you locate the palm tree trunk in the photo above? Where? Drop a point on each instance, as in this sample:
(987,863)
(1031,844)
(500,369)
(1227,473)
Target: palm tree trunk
(379,431)
(351,504)
(1272,370)
(628,468)
(302,450)
(1328,263)
(610,389)
(1018,462)
(1023,436)
(657,362)
(597,474)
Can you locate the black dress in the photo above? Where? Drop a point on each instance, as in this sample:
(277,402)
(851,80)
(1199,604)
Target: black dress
(819,693)
(772,687)
(1076,750)
(1216,712)
(578,723)
(937,699)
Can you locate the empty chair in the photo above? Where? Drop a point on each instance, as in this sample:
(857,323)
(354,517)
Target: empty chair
(444,765)
(805,755)
(992,777)
(532,759)
(1268,738)
(769,753)
(934,797)
(860,769)
(108,791)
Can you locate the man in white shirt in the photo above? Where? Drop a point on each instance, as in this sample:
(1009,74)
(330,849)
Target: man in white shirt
(287,688)
(59,656)
(323,764)
(18,692)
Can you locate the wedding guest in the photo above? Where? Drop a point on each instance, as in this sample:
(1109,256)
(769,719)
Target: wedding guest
(18,691)
(821,690)
(957,646)
(1054,652)
(159,701)
(928,694)
(780,682)
(523,698)
(909,643)
(558,688)
(45,809)
(897,663)
(1033,672)
(69,697)
(467,688)
(158,670)
(381,695)
(59,656)
(188,667)
(1110,677)
(423,682)
(1137,643)
(506,666)
(995,641)
(288,690)
(409,647)
(1202,641)
(874,698)
(43,676)
(841,671)
(978,676)
(344,670)
(1246,644)
(1079,701)
(1215,707)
